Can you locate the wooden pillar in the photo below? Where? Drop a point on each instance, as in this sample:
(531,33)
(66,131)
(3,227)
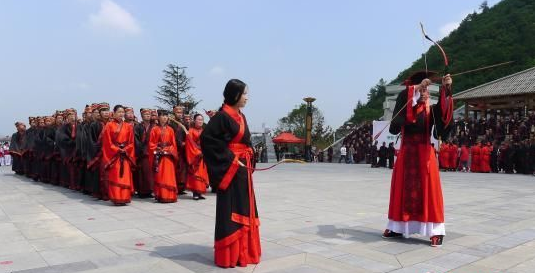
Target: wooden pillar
(465,111)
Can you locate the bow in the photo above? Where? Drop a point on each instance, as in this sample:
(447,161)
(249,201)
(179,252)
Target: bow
(446,62)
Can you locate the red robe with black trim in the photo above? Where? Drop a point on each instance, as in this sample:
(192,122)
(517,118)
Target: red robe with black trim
(162,159)
(225,141)
(416,202)
(118,160)
(197,178)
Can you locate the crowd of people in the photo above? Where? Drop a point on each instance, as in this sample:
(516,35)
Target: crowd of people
(111,155)
(356,146)
(497,144)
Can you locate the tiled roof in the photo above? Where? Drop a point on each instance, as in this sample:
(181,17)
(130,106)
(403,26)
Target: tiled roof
(519,83)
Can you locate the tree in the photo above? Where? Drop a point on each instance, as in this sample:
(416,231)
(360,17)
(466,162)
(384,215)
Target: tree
(175,88)
(373,108)
(484,7)
(294,123)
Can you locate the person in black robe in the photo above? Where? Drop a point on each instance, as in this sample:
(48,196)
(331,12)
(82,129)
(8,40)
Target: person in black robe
(523,157)
(227,150)
(143,176)
(28,154)
(67,147)
(39,149)
(100,188)
(15,148)
(391,153)
(373,155)
(532,156)
(330,153)
(494,158)
(47,139)
(181,171)
(80,154)
(382,155)
(91,152)
(55,168)
(516,158)
(277,152)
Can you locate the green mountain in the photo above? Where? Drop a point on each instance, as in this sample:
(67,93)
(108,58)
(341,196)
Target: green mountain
(505,32)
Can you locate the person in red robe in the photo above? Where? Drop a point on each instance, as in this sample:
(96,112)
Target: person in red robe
(453,155)
(443,156)
(197,178)
(475,165)
(465,155)
(416,203)
(228,153)
(162,158)
(485,158)
(118,157)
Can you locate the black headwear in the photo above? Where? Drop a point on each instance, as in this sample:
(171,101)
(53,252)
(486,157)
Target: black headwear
(162,112)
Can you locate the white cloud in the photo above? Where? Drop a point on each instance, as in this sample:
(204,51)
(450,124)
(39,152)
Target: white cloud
(447,28)
(217,70)
(112,17)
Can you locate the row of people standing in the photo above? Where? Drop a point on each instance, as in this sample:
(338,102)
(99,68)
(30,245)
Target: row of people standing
(126,156)
(111,156)
(486,157)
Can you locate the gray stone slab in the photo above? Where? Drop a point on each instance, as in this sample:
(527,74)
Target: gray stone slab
(365,263)
(194,262)
(453,260)
(62,268)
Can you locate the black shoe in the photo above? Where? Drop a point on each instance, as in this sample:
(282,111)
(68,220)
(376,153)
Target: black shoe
(388,234)
(182,193)
(201,197)
(436,241)
(196,198)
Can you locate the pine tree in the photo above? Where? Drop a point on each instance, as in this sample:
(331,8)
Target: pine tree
(176,88)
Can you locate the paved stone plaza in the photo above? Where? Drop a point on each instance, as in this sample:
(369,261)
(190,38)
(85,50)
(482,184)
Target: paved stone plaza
(314,218)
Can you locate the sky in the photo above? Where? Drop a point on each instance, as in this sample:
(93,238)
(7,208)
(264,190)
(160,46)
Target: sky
(68,53)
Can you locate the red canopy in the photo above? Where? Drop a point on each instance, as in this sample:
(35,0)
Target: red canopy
(287,138)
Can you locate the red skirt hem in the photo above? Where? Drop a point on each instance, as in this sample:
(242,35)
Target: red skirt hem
(238,249)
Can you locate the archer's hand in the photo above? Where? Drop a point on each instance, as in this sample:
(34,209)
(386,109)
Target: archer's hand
(210,113)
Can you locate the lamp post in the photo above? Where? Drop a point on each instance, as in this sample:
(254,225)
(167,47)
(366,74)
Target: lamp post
(308,128)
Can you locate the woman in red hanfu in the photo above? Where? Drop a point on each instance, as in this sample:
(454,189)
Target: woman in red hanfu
(475,165)
(118,157)
(227,149)
(162,158)
(416,203)
(197,178)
